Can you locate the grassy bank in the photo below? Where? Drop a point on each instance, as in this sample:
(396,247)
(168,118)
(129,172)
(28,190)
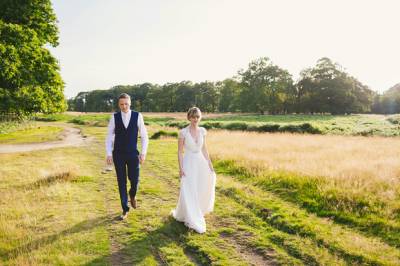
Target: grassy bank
(31,134)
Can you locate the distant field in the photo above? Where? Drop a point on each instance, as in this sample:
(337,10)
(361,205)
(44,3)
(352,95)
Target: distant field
(362,125)
(338,125)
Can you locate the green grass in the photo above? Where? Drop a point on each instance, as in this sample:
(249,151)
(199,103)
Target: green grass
(11,126)
(53,117)
(62,211)
(32,134)
(101,120)
(54,213)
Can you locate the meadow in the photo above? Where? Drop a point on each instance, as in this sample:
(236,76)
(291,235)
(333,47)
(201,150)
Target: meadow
(349,125)
(282,198)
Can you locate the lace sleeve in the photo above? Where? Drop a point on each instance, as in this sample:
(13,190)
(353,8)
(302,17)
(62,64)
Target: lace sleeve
(182,133)
(204,131)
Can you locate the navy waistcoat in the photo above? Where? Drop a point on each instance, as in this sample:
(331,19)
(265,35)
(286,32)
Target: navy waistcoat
(126,138)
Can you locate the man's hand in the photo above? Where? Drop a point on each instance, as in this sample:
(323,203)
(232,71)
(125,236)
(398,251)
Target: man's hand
(142,157)
(109,160)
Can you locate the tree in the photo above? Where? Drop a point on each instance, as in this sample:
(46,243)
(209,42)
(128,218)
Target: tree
(229,95)
(264,87)
(327,88)
(185,96)
(206,96)
(29,75)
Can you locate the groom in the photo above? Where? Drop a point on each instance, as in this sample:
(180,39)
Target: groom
(123,131)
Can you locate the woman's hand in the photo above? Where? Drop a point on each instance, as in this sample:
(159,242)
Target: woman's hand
(211,166)
(181,173)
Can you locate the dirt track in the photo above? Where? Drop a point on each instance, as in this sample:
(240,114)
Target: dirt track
(71,137)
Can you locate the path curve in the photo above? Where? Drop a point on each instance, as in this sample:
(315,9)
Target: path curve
(70,137)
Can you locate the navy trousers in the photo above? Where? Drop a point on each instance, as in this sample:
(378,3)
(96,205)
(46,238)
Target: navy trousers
(122,162)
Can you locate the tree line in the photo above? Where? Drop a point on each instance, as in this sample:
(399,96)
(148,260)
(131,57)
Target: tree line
(30,80)
(263,88)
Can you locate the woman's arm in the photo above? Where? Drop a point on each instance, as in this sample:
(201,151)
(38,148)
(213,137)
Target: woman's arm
(206,155)
(181,142)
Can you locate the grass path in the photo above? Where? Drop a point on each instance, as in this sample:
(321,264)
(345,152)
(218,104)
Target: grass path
(46,138)
(151,237)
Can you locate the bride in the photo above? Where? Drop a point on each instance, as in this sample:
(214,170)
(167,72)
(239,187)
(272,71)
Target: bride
(197,186)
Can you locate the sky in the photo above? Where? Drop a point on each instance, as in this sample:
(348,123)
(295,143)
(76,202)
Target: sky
(105,43)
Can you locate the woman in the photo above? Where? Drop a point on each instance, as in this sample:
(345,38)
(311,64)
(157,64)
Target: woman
(197,188)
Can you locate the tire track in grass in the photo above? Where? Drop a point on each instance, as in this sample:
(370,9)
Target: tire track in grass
(117,256)
(199,249)
(121,232)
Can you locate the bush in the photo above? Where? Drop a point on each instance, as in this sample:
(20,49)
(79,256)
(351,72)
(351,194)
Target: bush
(99,122)
(78,121)
(164,133)
(236,126)
(268,128)
(291,129)
(308,128)
(394,119)
(365,132)
(211,125)
(245,126)
(301,128)
(176,124)
(11,126)
(51,117)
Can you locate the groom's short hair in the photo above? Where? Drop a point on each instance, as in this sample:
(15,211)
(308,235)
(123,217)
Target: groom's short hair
(124,96)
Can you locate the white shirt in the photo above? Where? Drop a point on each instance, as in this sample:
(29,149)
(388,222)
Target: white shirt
(125,119)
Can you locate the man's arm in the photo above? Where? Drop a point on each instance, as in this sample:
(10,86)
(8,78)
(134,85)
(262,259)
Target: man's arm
(143,137)
(110,139)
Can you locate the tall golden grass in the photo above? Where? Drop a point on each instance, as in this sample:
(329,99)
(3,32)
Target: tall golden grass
(359,164)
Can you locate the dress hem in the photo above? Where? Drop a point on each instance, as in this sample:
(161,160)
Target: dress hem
(187,224)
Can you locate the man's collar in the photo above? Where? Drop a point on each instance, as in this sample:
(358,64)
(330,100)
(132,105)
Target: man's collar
(129,111)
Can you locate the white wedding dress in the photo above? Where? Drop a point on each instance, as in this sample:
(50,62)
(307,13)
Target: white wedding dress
(197,186)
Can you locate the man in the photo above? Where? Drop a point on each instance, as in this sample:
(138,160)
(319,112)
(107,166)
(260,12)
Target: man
(123,130)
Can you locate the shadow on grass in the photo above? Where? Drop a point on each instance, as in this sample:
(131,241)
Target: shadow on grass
(137,250)
(49,180)
(38,243)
